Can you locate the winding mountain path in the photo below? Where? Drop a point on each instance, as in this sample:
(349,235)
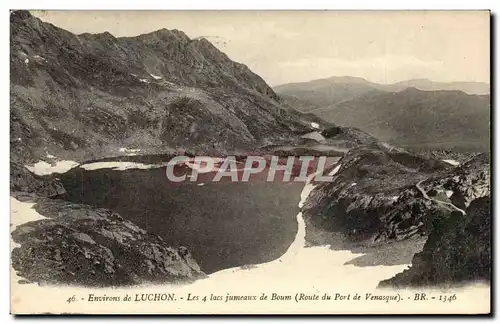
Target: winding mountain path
(440,202)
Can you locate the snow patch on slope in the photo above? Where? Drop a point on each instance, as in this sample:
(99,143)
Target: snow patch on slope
(334,171)
(452,162)
(44,168)
(118,166)
(20,213)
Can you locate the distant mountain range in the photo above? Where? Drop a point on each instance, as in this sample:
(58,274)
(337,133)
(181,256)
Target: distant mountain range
(321,92)
(417,113)
(477,88)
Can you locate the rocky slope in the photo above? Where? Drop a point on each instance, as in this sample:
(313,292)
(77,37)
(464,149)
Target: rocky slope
(86,96)
(82,245)
(460,157)
(374,197)
(458,251)
(21,180)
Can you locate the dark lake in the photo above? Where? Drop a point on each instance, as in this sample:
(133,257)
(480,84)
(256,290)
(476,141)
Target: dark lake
(223,224)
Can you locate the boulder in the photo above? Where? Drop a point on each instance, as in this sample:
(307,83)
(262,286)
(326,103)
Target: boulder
(457,251)
(87,246)
(23,180)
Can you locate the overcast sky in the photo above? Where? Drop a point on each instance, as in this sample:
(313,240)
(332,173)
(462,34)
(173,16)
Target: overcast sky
(293,46)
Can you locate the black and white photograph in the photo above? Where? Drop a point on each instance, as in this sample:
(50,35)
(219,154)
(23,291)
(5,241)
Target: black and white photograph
(250,162)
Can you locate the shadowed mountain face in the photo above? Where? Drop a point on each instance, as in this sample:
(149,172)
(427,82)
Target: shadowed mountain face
(442,117)
(84,96)
(419,119)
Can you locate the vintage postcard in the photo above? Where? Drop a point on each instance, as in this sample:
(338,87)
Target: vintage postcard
(250,162)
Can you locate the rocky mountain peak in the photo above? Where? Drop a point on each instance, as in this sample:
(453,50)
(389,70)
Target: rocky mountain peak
(90,91)
(19,15)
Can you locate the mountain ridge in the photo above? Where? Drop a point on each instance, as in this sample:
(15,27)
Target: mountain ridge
(413,116)
(470,87)
(86,96)
(419,119)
